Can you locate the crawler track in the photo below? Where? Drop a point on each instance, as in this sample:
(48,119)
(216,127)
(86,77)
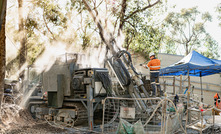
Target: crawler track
(82,116)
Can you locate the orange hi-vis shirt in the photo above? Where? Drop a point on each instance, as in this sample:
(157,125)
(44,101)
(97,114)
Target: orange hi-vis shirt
(216,97)
(154,64)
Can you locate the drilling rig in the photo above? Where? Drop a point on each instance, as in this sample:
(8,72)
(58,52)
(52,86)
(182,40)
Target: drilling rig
(70,95)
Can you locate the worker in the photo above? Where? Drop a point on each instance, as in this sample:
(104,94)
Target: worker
(216,103)
(154,66)
(216,100)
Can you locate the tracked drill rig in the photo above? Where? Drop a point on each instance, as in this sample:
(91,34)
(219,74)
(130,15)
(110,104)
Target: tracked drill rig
(70,95)
(128,78)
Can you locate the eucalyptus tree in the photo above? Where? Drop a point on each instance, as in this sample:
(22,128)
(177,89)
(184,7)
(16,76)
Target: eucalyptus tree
(42,23)
(70,22)
(22,37)
(187,29)
(118,13)
(211,47)
(144,32)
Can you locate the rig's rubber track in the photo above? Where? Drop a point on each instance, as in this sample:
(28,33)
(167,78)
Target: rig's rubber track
(82,114)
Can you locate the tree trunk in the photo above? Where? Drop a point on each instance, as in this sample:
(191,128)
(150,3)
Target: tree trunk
(187,52)
(123,10)
(107,41)
(23,49)
(2,47)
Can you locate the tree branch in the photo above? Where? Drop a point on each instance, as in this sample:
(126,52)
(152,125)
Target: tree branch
(182,31)
(178,41)
(140,10)
(115,25)
(98,4)
(48,27)
(130,24)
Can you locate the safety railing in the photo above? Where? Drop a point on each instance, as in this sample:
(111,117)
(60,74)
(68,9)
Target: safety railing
(169,82)
(163,115)
(203,121)
(124,114)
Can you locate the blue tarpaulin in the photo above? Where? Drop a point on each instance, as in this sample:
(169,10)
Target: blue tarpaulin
(195,63)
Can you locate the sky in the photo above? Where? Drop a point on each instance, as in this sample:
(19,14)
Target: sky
(203,6)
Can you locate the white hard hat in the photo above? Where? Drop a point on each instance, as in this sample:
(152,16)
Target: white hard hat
(151,54)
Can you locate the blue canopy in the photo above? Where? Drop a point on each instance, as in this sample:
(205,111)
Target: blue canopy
(195,63)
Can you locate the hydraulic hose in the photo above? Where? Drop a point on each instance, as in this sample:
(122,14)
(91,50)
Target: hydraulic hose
(127,60)
(121,72)
(106,82)
(120,69)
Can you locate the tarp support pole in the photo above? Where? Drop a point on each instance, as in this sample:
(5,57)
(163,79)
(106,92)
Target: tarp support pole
(188,80)
(201,86)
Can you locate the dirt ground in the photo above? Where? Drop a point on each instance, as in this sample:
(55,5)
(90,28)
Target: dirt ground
(19,121)
(38,127)
(42,128)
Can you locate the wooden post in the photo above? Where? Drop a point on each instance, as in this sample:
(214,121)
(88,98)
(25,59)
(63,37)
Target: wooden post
(188,107)
(213,120)
(164,86)
(174,85)
(201,126)
(164,110)
(181,85)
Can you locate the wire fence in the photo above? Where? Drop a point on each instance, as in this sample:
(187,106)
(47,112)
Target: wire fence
(125,112)
(162,115)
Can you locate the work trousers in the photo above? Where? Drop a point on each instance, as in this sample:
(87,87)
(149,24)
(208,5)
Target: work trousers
(154,79)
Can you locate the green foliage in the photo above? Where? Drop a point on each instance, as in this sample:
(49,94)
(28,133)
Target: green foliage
(86,41)
(218,9)
(170,47)
(146,40)
(211,47)
(132,21)
(52,12)
(187,30)
(206,16)
(30,26)
(46,21)
(143,31)
(35,50)
(70,22)
(77,5)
